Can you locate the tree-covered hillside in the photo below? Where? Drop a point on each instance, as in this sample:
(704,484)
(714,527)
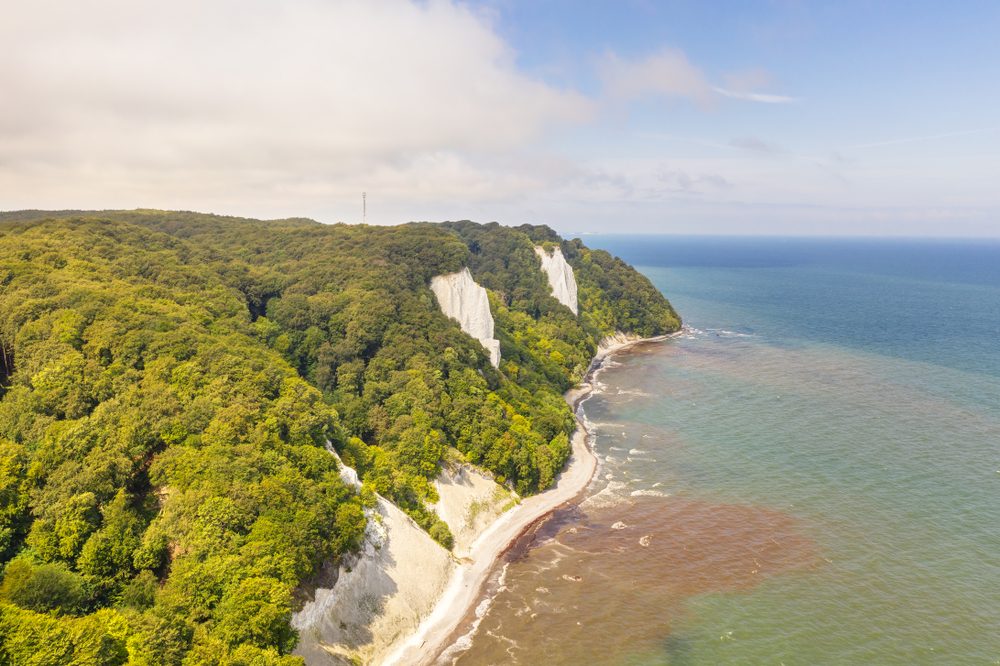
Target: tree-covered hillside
(169,382)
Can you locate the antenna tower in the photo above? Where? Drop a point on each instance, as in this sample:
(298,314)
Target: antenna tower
(364,208)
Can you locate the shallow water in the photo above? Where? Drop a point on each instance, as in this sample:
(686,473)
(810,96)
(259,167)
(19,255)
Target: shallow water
(804,477)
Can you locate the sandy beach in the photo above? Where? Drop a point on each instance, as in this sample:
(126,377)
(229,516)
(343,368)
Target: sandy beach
(436,632)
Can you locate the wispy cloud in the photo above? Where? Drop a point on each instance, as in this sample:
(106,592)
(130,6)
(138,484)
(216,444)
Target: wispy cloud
(836,157)
(754,145)
(681,180)
(925,138)
(668,73)
(756,97)
(715,180)
(746,85)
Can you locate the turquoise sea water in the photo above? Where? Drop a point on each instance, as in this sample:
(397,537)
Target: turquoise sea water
(810,474)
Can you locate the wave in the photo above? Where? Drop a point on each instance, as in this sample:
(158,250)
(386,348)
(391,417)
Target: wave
(612,495)
(464,642)
(554,562)
(692,333)
(649,493)
(636,392)
(730,334)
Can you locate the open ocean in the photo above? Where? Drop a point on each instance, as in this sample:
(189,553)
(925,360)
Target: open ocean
(809,474)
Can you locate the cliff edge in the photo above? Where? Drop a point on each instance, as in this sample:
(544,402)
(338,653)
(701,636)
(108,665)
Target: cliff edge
(462,299)
(561,277)
(379,595)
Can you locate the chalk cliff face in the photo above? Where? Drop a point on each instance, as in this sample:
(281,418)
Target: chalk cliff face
(462,299)
(561,277)
(614,340)
(379,596)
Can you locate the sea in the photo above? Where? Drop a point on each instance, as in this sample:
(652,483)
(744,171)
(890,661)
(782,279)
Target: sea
(808,474)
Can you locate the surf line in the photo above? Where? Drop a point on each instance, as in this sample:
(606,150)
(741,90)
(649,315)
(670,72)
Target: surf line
(447,627)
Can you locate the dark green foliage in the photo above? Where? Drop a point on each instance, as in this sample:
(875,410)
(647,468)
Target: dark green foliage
(147,429)
(14,496)
(441,533)
(140,593)
(43,588)
(170,382)
(98,639)
(617,297)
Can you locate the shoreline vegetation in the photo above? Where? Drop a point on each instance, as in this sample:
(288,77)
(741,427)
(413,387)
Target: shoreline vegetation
(441,629)
(171,381)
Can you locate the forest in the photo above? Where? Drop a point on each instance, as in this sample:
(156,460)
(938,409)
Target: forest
(170,384)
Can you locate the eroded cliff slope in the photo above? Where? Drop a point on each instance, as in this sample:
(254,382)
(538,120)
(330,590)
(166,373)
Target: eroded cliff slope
(470,500)
(380,594)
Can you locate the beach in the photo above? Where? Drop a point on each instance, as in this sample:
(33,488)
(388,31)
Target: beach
(437,632)
(785,481)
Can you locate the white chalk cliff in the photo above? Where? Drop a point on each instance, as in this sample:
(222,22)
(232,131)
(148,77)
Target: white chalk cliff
(462,299)
(615,340)
(561,277)
(380,594)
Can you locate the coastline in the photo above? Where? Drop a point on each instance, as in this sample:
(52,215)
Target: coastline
(436,632)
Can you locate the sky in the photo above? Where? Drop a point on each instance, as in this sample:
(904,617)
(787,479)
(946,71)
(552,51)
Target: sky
(637,116)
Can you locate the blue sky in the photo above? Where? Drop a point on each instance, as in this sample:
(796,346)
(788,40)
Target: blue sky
(847,118)
(865,72)
(896,97)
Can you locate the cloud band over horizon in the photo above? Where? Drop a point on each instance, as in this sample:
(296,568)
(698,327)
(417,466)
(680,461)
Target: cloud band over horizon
(293,108)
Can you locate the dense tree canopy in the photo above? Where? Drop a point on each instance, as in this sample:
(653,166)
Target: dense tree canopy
(170,382)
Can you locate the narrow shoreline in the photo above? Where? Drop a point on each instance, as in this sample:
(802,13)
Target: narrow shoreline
(436,632)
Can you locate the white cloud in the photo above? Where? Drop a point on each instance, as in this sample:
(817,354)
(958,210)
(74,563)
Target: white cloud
(741,85)
(293,107)
(756,97)
(667,73)
(670,74)
(117,103)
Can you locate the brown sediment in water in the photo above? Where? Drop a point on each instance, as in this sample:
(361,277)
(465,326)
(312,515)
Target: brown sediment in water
(686,547)
(587,585)
(583,588)
(461,615)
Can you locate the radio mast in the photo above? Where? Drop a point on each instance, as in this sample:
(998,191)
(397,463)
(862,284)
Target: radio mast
(364,208)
